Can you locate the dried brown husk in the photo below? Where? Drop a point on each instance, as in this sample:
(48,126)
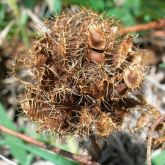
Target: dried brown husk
(77,86)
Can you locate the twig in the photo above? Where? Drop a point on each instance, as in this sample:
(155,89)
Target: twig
(154,126)
(142,27)
(83,159)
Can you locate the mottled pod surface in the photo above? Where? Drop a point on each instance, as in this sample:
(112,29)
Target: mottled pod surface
(83,71)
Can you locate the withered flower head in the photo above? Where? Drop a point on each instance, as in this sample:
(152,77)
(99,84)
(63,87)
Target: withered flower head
(81,74)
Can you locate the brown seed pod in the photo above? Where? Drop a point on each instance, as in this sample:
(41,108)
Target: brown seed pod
(83,70)
(104,125)
(96,56)
(96,37)
(121,89)
(133,77)
(124,48)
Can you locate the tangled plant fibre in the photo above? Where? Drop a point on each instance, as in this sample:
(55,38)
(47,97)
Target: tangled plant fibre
(82,73)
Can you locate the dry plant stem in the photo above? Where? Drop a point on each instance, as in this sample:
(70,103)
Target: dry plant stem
(142,27)
(83,159)
(154,126)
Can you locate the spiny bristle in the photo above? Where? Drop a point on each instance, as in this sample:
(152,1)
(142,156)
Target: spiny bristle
(82,71)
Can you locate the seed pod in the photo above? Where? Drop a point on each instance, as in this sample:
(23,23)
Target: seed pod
(96,56)
(133,77)
(104,125)
(124,48)
(121,89)
(72,94)
(137,57)
(96,38)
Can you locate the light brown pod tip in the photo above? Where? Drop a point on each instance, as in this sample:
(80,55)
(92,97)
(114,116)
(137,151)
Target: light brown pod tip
(133,77)
(104,125)
(96,38)
(124,48)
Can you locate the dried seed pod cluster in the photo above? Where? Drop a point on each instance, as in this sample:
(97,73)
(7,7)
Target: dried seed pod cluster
(82,73)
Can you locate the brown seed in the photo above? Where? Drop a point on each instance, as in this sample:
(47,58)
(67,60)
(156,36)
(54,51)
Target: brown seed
(96,56)
(96,38)
(121,89)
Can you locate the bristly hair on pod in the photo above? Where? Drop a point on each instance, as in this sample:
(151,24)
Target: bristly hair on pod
(82,74)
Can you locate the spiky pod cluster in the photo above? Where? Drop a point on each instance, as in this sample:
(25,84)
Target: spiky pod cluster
(82,73)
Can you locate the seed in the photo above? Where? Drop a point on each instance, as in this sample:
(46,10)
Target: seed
(96,38)
(96,56)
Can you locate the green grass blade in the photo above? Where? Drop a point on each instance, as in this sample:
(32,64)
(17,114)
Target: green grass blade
(18,153)
(55,6)
(52,157)
(14,6)
(18,148)
(2,142)
(159,159)
(29,159)
(162,65)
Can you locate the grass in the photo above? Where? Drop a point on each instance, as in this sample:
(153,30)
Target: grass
(25,153)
